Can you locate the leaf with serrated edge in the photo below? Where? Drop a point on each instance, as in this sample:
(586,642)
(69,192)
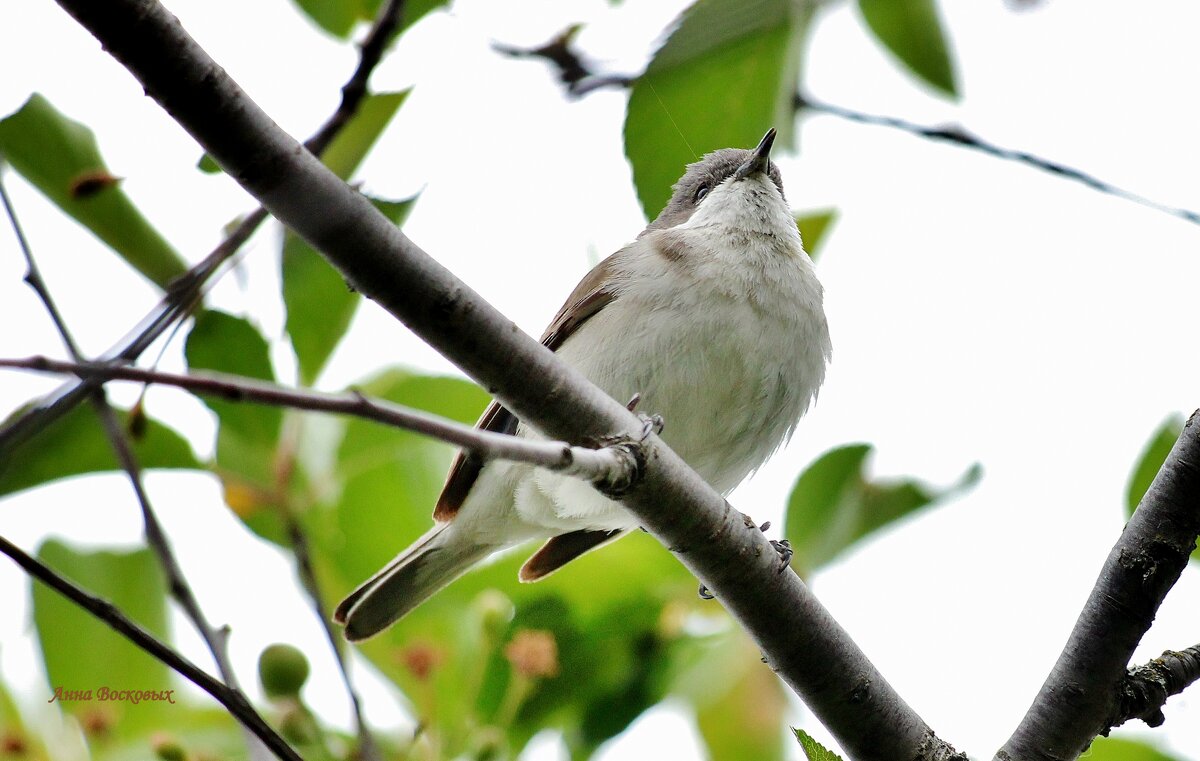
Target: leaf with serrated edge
(813,750)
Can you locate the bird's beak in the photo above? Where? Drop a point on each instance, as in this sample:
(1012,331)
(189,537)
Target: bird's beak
(760,159)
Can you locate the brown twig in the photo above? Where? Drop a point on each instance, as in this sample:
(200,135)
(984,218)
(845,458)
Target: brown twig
(233,700)
(609,465)
(805,645)
(579,79)
(216,639)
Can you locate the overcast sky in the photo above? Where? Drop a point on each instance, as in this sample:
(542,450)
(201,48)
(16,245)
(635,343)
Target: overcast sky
(981,311)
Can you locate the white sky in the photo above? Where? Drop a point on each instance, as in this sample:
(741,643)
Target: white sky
(981,311)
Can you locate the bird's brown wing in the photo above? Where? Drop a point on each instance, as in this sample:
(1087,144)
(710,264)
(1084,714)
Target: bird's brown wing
(561,550)
(591,295)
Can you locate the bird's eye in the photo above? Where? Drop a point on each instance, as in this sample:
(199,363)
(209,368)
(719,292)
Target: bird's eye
(700,193)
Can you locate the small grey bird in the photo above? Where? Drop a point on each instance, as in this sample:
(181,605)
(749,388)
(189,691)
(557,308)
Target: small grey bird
(713,315)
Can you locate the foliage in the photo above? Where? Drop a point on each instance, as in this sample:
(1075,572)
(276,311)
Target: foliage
(487,663)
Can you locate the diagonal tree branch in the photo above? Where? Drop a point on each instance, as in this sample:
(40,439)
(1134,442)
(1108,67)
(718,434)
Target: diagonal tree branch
(233,700)
(803,643)
(1082,692)
(186,291)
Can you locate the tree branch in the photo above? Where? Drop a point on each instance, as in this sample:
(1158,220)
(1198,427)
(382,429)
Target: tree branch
(960,136)
(611,466)
(1082,692)
(802,641)
(186,291)
(579,79)
(1146,688)
(216,639)
(231,699)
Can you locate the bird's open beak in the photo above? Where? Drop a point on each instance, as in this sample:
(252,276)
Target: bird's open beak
(760,159)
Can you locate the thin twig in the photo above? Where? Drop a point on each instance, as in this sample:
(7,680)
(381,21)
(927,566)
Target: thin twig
(185,292)
(580,79)
(609,465)
(231,699)
(958,135)
(355,89)
(216,639)
(804,644)
(1146,688)
(368,750)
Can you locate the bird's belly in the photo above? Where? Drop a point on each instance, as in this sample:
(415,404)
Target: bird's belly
(729,391)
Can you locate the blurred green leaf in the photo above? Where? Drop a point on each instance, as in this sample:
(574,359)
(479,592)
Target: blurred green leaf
(82,654)
(356,139)
(247,434)
(79,432)
(912,31)
(1151,461)
(834,504)
(391,478)
(740,711)
(319,303)
(813,226)
(203,732)
(338,17)
(387,483)
(60,158)
(727,73)
(208,165)
(1153,456)
(1115,749)
(813,750)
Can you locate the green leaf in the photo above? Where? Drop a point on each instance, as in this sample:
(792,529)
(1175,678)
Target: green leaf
(1151,461)
(247,434)
(813,226)
(740,712)
(319,303)
(355,140)
(43,458)
(208,165)
(813,750)
(334,16)
(387,481)
(834,504)
(83,654)
(338,17)
(1115,749)
(1153,456)
(60,158)
(912,31)
(727,73)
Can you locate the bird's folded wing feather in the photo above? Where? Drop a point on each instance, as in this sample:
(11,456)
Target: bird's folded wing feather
(592,294)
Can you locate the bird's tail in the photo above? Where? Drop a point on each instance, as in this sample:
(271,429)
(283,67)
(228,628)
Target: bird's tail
(432,562)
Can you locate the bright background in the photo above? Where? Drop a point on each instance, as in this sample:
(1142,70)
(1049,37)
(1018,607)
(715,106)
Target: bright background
(980,310)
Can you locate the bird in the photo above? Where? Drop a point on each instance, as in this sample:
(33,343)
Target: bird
(713,317)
